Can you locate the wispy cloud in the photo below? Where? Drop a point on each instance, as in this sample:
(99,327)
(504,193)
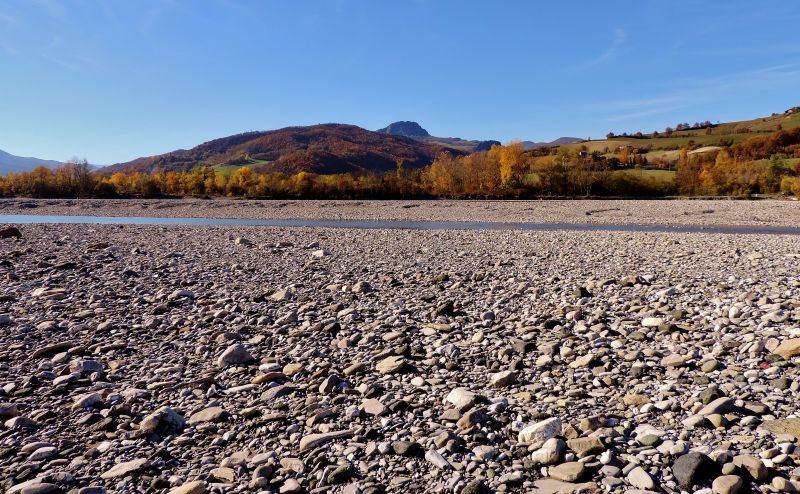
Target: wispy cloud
(699,90)
(617,42)
(58,52)
(762,78)
(739,51)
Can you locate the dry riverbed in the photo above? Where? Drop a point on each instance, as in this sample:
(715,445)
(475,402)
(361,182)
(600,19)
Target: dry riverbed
(245,359)
(664,212)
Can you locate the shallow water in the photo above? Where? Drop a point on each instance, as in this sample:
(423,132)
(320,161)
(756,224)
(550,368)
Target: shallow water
(405,225)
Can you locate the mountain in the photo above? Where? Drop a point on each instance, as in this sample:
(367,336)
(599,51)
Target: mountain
(558,142)
(415,131)
(323,149)
(11,163)
(407,129)
(486,145)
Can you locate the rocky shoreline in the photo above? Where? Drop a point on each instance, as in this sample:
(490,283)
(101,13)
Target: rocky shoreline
(662,212)
(250,359)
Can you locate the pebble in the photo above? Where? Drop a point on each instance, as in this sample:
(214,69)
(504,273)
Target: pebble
(727,484)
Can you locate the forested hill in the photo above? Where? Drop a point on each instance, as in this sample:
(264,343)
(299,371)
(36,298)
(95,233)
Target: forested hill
(323,149)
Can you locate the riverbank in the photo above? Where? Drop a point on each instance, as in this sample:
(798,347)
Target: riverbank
(662,212)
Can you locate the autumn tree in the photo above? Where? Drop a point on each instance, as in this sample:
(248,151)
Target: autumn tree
(240,181)
(687,176)
(442,176)
(512,164)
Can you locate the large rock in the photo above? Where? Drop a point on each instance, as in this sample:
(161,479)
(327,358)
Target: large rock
(555,486)
(52,349)
(438,460)
(390,365)
(788,348)
(165,422)
(540,431)
(210,414)
(568,472)
(196,487)
(123,469)
(88,400)
(782,426)
(472,418)
(235,354)
(693,469)
(9,410)
(718,406)
(583,361)
(462,398)
(754,467)
(726,484)
(652,322)
(640,479)
(585,446)
(503,378)
(315,440)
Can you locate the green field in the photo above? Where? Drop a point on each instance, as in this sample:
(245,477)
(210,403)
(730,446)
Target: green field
(667,148)
(227,170)
(661,175)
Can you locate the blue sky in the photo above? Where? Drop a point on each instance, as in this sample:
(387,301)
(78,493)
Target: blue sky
(112,80)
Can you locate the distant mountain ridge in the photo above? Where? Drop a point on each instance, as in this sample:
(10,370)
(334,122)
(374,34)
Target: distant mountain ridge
(415,131)
(10,163)
(528,145)
(322,149)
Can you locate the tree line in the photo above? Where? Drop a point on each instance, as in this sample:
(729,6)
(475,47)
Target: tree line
(757,166)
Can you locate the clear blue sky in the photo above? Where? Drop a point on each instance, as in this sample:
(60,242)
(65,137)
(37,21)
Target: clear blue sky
(111,80)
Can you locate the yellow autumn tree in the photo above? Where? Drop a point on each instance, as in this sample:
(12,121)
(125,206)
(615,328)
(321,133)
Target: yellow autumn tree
(512,164)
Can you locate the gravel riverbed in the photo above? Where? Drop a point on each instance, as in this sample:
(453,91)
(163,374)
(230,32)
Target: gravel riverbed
(663,212)
(251,359)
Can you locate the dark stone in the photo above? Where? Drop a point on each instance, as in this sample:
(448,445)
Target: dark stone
(710,394)
(446,309)
(476,487)
(637,336)
(332,328)
(10,232)
(407,448)
(772,358)
(159,483)
(340,475)
(581,292)
(694,469)
(374,489)
(522,346)
(781,383)
(551,323)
